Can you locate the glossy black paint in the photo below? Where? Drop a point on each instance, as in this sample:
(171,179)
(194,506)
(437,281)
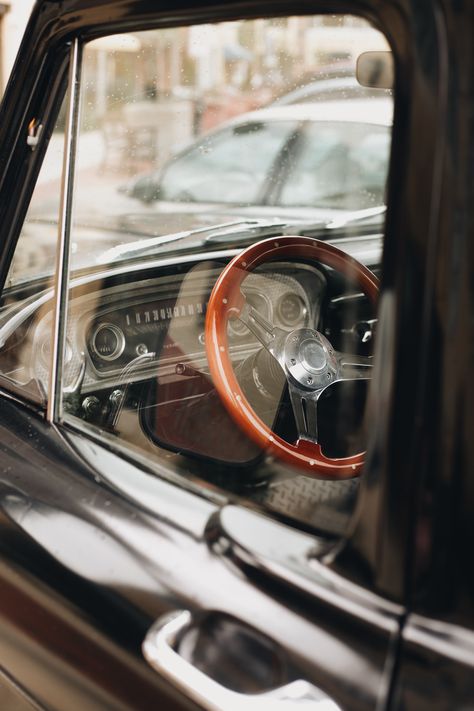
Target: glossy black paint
(95,631)
(74,608)
(438,646)
(85,570)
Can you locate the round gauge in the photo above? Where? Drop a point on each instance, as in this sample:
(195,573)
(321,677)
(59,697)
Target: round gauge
(108,341)
(236,327)
(291,309)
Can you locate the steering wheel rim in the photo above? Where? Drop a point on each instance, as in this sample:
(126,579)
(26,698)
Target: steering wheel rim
(227,301)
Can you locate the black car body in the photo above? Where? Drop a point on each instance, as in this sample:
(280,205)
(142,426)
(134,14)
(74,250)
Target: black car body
(98,541)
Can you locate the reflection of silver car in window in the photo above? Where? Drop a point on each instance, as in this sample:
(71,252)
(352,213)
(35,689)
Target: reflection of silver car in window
(328,157)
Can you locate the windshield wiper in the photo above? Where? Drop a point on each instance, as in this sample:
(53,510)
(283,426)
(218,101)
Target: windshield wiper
(243,232)
(237,230)
(357,217)
(246,230)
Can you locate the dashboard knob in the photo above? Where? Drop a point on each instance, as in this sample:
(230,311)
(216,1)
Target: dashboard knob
(116,397)
(364,331)
(91,406)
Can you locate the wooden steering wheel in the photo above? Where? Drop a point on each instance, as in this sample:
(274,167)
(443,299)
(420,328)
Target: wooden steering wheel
(309,361)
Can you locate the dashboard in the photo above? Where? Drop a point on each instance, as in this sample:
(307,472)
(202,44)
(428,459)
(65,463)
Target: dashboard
(124,327)
(135,366)
(124,332)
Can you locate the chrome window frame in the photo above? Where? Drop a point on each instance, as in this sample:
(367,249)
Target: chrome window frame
(63,252)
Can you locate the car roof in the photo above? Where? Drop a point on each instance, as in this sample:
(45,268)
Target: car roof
(368,111)
(335,85)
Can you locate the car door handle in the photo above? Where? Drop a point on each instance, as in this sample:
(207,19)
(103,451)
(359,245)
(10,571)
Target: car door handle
(159,653)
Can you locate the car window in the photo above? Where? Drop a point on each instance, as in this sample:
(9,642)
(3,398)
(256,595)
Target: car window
(341,164)
(245,379)
(231,166)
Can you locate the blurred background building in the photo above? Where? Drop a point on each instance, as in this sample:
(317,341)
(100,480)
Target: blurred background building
(13,18)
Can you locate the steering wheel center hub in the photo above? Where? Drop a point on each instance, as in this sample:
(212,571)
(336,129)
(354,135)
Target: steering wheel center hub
(313,356)
(310,359)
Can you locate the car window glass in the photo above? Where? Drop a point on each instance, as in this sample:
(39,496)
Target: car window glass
(250,383)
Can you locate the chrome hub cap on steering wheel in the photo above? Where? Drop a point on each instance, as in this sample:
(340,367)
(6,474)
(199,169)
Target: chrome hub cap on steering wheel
(310,359)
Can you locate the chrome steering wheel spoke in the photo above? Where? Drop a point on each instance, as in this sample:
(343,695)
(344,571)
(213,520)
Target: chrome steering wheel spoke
(353,367)
(310,363)
(304,405)
(271,337)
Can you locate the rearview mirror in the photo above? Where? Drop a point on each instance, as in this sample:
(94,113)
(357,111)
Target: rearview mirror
(375,70)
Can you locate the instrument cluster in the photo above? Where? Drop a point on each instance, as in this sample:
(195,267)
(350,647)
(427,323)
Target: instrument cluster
(170,326)
(116,337)
(122,332)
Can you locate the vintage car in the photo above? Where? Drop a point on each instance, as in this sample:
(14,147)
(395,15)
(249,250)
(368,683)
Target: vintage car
(236,465)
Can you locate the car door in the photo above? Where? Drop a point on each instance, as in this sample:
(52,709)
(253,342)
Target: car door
(131,581)
(437,643)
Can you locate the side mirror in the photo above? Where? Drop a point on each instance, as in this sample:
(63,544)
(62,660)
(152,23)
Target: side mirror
(375,70)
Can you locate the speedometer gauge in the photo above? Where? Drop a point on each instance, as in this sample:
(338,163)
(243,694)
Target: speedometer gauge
(108,341)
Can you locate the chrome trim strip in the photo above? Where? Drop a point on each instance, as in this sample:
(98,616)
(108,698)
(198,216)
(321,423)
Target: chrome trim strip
(61,281)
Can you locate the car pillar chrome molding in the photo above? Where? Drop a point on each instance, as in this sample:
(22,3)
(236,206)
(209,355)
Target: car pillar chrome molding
(61,285)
